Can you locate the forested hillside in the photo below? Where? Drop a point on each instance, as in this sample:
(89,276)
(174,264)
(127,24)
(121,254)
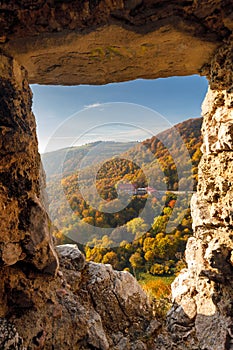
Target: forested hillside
(134,237)
(73,156)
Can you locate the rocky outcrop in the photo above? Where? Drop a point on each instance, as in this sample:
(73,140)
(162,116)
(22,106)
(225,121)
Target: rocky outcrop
(203,304)
(87,306)
(25,232)
(105,41)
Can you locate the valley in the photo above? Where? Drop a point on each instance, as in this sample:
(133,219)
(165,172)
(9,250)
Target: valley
(148,234)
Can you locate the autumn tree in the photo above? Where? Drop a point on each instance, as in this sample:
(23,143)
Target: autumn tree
(136,262)
(111,258)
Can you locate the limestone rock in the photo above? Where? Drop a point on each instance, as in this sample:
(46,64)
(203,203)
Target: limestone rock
(71,253)
(98,42)
(11,253)
(203,293)
(124,290)
(220,72)
(9,337)
(24,222)
(104,309)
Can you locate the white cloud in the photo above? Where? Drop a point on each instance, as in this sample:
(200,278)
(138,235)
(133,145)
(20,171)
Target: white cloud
(93,105)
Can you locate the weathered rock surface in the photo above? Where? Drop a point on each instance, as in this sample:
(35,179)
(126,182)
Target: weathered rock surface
(86,307)
(103,41)
(9,337)
(25,232)
(203,303)
(72,256)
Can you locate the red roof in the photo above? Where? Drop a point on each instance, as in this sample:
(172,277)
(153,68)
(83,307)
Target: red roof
(151,189)
(124,187)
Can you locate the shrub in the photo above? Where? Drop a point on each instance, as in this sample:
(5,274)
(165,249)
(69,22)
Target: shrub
(159,293)
(157,269)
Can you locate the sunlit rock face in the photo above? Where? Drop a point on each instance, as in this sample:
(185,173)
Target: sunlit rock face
(203,304)
(105,41)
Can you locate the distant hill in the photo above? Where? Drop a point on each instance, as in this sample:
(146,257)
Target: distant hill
(136,238)
(67,160)
(167,161)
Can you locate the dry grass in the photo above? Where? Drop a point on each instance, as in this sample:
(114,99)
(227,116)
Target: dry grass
(158,290)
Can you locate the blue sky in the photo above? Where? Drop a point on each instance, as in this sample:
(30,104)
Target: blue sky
(89,111)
